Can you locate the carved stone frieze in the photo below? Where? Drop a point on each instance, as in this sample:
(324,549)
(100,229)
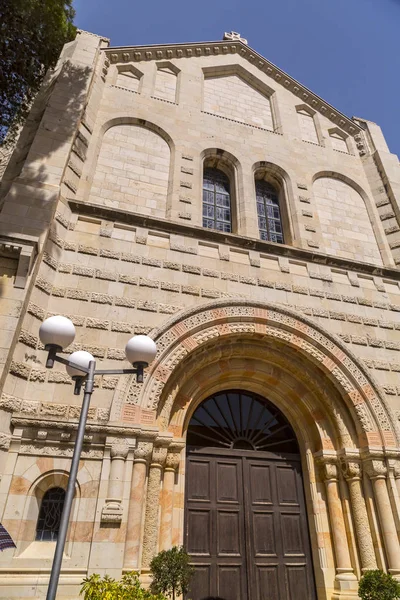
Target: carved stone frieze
(5,441)
(64,451)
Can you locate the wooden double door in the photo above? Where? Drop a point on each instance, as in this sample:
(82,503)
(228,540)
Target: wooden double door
(246,526)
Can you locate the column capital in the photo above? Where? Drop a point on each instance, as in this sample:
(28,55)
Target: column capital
(143,451)
(329,468)
(119,448)
(375,468)
(172,461)
(351,469)
(159,456)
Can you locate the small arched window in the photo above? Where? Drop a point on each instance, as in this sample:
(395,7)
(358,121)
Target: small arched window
(269,213)
(48,523)
(216,200)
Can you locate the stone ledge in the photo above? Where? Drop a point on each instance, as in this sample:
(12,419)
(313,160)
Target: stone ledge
(193,231)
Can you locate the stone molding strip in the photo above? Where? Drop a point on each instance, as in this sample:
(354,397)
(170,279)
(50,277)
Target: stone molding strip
(196,232)
(81,271)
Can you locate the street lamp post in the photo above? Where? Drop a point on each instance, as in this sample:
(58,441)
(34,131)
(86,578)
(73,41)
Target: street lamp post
(56,333)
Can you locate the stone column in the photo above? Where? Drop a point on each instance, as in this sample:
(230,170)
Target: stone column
(345,578)
(112,510)
(352,474)
(377,471)
(150,537)
(142,455)
(171,465)
(397,476)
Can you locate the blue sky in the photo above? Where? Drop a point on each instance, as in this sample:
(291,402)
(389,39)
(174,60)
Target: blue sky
(346,51)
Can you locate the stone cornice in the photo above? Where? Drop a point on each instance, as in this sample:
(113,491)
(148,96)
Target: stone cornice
(111,214)
(127,54)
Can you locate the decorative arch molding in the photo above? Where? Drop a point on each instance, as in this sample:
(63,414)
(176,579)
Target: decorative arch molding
(219,320)
(336,175)
(371,210)
(138,122)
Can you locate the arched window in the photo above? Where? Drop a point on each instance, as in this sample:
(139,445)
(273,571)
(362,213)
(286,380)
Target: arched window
(49,519)
(216,200)
(269,213)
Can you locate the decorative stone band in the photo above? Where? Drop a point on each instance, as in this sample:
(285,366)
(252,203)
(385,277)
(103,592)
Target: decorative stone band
(192,329)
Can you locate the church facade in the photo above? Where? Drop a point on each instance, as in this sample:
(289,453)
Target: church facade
(198,194)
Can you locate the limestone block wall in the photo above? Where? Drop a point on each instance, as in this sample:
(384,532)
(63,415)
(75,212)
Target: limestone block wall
(122,250)
(194,131)
(115,278)
(165,87)
(132,171)
(345,223)
(231,97)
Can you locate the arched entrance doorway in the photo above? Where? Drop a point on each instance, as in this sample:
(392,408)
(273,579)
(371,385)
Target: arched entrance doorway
(245,516)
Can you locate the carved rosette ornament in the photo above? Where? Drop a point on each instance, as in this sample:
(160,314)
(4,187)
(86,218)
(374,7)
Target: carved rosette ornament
(352,472)
(172,461)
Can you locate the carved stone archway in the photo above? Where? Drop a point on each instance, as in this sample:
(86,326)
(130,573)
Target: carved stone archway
(340,416)
(220,320)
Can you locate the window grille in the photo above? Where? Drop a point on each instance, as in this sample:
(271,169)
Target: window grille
(49,519)
(216,200)
(269,214)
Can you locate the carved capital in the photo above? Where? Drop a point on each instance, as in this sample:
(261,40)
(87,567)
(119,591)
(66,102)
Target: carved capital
(329,469)
(351,469)
(375,468)
(159,456)
(172,461)
(143,451)
(119,448)
(396,469)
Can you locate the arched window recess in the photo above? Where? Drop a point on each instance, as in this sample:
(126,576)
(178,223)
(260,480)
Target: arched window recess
(48,523)
(268,210)
(218,192)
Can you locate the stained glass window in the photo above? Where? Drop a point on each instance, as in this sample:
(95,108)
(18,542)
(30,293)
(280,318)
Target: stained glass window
(268,211)
(49,519)
(216,200)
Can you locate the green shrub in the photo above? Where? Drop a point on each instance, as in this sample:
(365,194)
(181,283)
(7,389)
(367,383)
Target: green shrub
(107,588)
(171,572)
(377,585)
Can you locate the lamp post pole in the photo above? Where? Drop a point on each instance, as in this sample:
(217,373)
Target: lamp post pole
(56,333)
(69,495)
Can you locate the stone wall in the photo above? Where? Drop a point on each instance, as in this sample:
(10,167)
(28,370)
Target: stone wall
(121,251)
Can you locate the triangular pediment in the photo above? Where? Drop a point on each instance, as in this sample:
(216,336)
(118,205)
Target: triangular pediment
(236,47)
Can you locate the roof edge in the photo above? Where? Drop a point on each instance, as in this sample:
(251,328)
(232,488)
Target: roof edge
(192,49)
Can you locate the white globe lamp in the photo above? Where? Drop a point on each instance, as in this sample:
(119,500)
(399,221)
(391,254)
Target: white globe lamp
(80,358)
(140,349)
(57,332)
